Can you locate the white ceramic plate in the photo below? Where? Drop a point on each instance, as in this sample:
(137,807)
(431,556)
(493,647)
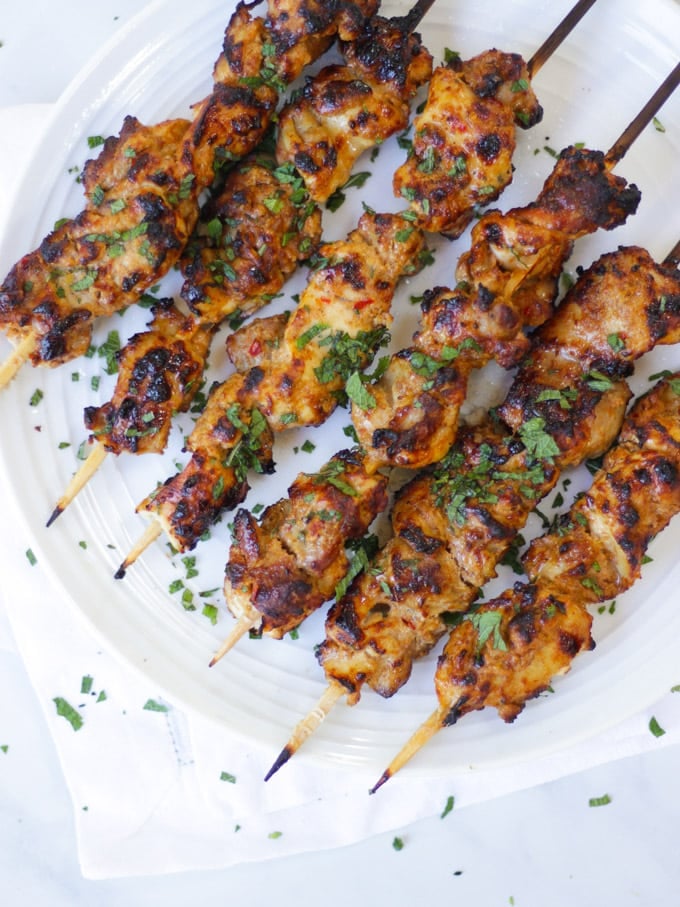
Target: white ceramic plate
(154,69)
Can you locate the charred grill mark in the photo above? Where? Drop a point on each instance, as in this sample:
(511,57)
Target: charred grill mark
(420,542)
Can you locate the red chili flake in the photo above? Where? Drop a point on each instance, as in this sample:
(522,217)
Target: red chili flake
(255,348)
(361,304)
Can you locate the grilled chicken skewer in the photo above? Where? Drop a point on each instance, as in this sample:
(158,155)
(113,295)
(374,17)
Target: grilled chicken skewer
(507,282)
(508,650)
(579,176)
(455,522)
(142,192)
(340,321)
(250,237)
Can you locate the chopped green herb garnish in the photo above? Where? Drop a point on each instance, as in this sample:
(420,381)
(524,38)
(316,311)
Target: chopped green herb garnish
(655,727)
(65,710)
(600,801)
(152,706)
(86,684)
(227,776)
(449,806)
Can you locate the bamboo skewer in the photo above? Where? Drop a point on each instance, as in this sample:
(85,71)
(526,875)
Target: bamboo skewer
(246,622)
(307,726)
(431,725)
(423,735)
(90,466)
(150,534)
(16,359)
(635,127)
(553,41)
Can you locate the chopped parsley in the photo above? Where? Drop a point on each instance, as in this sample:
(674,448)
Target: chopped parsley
(655,728)
(449,806)
(604,800)
(66,710)
(152,706)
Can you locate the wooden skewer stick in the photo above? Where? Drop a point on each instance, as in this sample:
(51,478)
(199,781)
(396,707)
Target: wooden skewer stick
(151,533)
(425,732)
(308,725)
(94,460)
(247,621)
(635,127)
(415,15)
(16,359)
(553,41)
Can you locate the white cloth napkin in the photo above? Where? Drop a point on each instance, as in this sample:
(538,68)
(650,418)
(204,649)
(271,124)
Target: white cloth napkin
(161,791)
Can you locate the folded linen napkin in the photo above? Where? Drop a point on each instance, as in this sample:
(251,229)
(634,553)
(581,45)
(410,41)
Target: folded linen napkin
(155,790)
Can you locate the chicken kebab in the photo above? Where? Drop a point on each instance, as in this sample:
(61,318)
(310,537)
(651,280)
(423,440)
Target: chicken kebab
(303,120)
(250,237)
(581,194)
(508,650)
(142,192)
(289,555)
(454,522)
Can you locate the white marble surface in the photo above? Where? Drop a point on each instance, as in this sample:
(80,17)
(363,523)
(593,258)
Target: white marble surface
(541,847)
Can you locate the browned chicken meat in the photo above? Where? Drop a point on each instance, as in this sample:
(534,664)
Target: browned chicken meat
(140,210)
(455,522)
(509,649)
(300,30)
(342,318)
(508,281)
(143,191)
(287,565)
(346,109)
(249,240)
(464,139)
(159,373)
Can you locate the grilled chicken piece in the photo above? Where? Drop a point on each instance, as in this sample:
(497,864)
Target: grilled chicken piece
(249,240)
(451,528)
(290,563)
(508,281)
(143,193)
(508,650)
(159,373)
(622,307)
(346,109)
(254,344)
(455,522)
(340,321)
(464,139)
(300,30)
(139,213)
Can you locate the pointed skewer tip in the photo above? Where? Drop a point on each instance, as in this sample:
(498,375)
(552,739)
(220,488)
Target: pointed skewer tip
(53,516)
(386,775)
(279,762)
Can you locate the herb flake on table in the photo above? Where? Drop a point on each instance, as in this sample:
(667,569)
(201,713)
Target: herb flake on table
(604,800)
(655,728)
(66,710)
(152,706)
(227,776)
(398,843)
(448,808)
